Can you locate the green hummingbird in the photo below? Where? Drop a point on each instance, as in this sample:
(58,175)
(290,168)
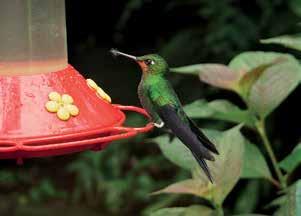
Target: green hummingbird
(161,102)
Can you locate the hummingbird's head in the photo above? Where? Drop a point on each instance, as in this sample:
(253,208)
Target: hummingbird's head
(151,64)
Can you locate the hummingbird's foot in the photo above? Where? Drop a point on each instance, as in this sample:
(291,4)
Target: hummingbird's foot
(159,125)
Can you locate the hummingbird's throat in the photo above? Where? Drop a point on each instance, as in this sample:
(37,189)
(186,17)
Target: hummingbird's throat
(143,66)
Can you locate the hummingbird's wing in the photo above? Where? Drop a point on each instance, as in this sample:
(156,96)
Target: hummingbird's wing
(170,116)
(201,136)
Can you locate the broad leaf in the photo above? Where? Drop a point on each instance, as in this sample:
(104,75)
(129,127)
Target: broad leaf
(189,186)
(225,170)
(197,210)
(276,202)
(217,75)
(292,203)
(198,109)
(254,164)
(292,160)
(249,78)
(291,41)
(295,5)
(219,110)
(194,210)
(176,211)
(247,198)
(269,89)
(220,76)
(274,85)
(250,215)
(248,61)
(176,152)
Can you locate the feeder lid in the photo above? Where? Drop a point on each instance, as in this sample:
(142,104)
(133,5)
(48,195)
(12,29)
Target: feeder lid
(57,113)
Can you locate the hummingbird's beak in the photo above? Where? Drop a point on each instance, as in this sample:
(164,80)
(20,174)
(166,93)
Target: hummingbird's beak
(115,52)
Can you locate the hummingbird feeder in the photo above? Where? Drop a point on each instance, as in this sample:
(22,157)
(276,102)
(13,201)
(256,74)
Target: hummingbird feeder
(47,107)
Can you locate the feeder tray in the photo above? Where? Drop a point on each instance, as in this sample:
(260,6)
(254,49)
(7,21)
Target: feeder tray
(28,129)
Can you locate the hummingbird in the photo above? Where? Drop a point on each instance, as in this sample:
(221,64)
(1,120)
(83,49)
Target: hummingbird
(161,102)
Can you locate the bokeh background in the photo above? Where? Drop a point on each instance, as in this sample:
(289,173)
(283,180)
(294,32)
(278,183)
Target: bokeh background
(119,180)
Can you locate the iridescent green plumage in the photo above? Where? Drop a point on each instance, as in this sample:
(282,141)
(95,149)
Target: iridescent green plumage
(162,103)
(154,88)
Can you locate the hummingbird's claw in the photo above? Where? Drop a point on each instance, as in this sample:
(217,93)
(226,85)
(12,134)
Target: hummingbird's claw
(159,125)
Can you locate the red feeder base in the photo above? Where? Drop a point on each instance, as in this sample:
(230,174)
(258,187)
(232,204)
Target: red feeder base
(28,130)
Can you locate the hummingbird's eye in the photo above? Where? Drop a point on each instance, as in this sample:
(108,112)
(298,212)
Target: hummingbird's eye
(149,62)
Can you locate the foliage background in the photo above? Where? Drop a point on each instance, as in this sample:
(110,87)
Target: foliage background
(119,180)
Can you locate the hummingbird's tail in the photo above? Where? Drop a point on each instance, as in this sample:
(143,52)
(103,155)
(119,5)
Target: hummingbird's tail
(199,145)
(204,166)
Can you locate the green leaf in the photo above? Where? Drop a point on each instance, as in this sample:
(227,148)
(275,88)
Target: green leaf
(274,85)
(248,61)
(225,170)
(292,204)
(196,69)
(295,6)
(161,202)
(276,202)
(219,110)
(249,78)
(269,89)
(176,211)
(176,152)
(217,75)
(292,160)
(194,210)
(290,41)
(247,198)
(198,109)
(254,164)
(250,215)
(189,186)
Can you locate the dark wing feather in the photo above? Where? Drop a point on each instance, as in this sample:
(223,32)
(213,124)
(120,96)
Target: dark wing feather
(204,166)
(182,130)
(201,136)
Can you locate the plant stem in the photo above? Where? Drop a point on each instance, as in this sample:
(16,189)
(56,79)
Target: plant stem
(274,182)
(262,132)
(219,209)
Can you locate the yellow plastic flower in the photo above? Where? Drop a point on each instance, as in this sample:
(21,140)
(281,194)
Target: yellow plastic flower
(99,92)
(62,105)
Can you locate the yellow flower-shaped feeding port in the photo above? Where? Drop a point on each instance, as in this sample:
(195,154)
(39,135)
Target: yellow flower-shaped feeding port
(62,105)
(99,92)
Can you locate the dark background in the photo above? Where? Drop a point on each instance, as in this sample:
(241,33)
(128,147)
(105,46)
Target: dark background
(118,180)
